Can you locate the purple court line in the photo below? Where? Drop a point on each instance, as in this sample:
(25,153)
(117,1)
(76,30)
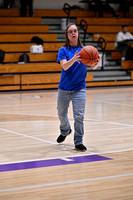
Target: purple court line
(51,162)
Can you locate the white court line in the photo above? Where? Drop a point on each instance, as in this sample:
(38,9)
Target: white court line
(90,130)
(33,104)
(21,134)
(42,140)
(86,153)
(30,121)
(63,145)
(67,182)
(54,120)
(108,129)
(33,114)
(35,138)
(117,151)
(71,118)
(107,122)
(117,98)
(115,103)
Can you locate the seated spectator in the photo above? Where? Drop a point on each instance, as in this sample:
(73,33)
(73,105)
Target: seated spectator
(122,41)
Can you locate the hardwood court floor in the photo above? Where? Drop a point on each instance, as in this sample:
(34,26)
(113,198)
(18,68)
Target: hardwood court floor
(34,167)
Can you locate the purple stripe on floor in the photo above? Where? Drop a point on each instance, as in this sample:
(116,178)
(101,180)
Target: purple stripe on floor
(51,162)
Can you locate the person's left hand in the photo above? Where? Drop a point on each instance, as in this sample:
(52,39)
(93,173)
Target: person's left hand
(96,64)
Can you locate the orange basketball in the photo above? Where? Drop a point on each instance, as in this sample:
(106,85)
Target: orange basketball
(88,55)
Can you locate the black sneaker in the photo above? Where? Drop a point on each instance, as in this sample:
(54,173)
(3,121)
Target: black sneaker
(80,147)
(61,138)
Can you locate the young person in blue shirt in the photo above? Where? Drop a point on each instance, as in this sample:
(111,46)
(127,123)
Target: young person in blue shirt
(72,87)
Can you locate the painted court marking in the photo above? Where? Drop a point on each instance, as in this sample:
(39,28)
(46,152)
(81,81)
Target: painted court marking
(47,141)
(51,162)
(67,182)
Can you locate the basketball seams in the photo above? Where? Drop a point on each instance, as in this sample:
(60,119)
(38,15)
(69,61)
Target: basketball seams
(86,52)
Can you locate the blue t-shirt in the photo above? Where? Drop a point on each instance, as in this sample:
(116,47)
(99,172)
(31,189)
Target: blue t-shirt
(74,77)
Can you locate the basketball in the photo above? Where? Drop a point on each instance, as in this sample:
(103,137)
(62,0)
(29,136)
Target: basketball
(88,55)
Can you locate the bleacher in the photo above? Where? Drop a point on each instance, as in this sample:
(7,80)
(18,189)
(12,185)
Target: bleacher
(107,28)
(43,72)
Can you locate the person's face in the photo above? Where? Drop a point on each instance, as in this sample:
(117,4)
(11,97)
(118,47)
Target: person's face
(72,33)
(124,29)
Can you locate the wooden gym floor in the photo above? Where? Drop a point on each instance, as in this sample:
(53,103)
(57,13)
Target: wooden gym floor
(34,167)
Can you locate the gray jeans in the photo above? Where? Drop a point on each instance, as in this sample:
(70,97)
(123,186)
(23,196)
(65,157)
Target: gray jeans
(78,99)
